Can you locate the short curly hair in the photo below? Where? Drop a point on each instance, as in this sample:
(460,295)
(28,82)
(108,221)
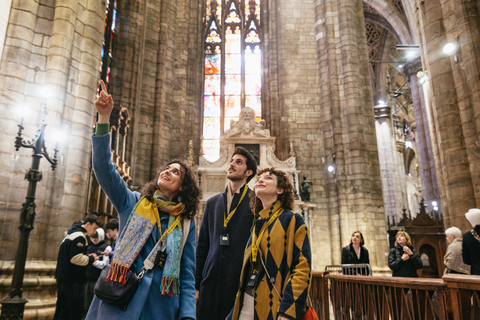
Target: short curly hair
(287,198)
(190,193)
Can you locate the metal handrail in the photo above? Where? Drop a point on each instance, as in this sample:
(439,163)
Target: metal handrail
(350,269)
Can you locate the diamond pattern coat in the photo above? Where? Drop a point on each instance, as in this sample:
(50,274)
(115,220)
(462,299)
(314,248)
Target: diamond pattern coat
(285,249)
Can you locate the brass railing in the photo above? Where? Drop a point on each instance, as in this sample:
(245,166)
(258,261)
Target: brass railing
(360,297)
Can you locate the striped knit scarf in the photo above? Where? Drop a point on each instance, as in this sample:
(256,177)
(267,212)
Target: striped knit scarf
(137,230)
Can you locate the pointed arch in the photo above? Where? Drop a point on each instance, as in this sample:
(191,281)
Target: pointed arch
(233,67)
(391,15)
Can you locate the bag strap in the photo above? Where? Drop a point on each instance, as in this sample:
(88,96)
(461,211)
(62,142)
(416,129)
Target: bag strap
(186,231)
(309,299)
(269,278)
(475,234)
(147,265)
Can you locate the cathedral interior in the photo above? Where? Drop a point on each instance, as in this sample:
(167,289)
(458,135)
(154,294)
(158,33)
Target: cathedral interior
(377,101)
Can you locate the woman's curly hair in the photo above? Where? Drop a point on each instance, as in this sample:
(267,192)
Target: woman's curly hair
(189,195)
(287,198)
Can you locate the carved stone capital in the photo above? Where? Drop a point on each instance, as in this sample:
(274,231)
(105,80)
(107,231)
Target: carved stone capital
(382,111)
(412,67)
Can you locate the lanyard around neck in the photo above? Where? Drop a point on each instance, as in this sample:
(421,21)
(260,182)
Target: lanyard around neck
(170,229)
(225,220)
(256,241)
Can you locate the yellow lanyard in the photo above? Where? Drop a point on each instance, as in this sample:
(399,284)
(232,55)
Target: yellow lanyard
(169,230)
(225,220)
(256,242)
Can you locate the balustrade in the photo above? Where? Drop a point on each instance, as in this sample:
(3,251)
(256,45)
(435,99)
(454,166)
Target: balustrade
(454,297)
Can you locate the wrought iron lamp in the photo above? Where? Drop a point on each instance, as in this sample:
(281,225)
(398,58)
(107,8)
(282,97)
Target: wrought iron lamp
(13,306)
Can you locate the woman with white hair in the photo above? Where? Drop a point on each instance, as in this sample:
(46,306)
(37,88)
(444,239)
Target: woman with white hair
(471,242)
(453,258)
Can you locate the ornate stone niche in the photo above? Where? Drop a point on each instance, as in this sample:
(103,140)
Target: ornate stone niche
(252,135)
(427,232)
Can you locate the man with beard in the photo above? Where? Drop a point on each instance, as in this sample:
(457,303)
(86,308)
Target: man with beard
(223,235)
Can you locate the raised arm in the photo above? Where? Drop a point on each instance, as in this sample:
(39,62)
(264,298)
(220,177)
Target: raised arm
(105,170)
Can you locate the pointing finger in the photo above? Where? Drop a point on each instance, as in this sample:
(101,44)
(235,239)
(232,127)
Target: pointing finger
(104,87)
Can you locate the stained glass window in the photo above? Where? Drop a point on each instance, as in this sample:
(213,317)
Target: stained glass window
(108,36)
(233,64)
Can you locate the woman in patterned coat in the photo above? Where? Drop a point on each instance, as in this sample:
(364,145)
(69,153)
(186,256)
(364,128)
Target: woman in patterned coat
(276,269)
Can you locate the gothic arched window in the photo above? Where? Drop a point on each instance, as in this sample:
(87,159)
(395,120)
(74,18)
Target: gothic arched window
(109,32)
(232,67)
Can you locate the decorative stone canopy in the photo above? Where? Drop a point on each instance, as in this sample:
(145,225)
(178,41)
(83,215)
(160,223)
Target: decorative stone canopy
(252,135)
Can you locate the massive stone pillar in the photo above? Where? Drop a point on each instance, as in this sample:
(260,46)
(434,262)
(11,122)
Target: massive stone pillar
(157,77)
(390,153)
(48,46)
(291,106)
(4,14)
(423,137)
(354,191)
(455,105)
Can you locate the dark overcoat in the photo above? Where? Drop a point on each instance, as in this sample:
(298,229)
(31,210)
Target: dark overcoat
(93,272)
(350,257)
(471,251)
(402,268)
(218,267)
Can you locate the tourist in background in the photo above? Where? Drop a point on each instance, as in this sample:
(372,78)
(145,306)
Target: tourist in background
(355,253)
(471,242)
(403,259)
(111,229)
(98,246)
(453,257)
(71,271)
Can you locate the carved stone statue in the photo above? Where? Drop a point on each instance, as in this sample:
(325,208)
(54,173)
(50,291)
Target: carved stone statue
(247,125)
(306,189)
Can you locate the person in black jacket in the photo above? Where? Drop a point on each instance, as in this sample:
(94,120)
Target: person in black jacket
(71,272)
(471,242)
(224,232)
(355,253)
(403,259)
(93,271)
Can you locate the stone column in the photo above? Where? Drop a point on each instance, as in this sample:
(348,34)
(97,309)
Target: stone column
(354,191)
(392,172)
(423,138)
(4,14)
(454,103)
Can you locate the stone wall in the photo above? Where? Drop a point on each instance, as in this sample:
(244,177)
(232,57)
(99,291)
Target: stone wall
(317,90)
(53,43)
(161,60)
